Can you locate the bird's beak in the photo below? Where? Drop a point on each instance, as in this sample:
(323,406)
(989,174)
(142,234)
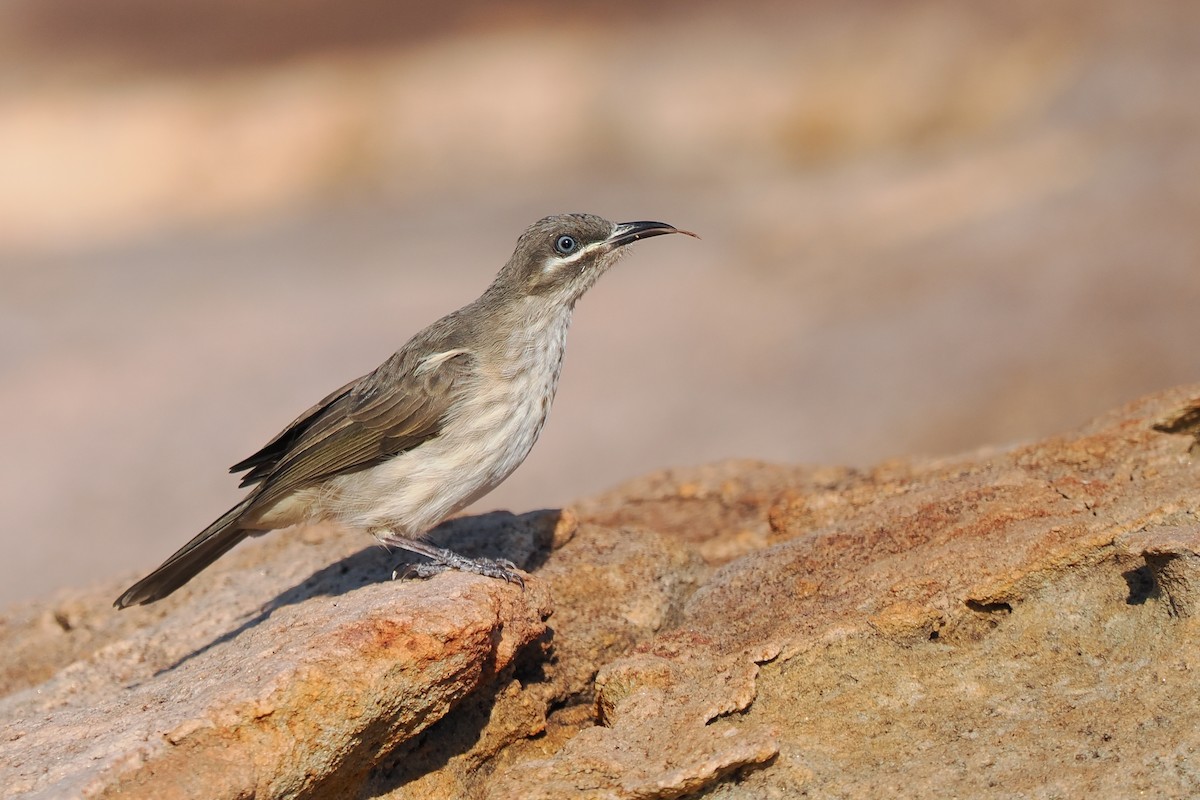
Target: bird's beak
(629,232)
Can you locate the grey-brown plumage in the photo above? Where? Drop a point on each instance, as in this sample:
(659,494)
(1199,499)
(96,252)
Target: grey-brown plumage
(436,426)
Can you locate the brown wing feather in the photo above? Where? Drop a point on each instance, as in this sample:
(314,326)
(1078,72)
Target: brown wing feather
(262,462)
(391,410)
(381,414)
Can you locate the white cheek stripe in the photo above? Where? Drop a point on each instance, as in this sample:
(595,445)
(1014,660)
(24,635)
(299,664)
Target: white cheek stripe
(554,262)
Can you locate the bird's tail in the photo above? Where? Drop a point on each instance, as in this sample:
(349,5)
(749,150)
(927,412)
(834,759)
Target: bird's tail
(206,547)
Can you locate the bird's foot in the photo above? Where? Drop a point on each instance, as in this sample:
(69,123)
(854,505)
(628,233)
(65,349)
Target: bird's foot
(441,560)
(492,568)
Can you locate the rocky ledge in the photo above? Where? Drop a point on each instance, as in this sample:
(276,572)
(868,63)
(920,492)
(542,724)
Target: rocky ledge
(1018,621)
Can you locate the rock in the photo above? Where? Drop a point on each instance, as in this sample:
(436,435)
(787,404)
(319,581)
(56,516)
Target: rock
(1172,555)
(225,691)
(1017,622)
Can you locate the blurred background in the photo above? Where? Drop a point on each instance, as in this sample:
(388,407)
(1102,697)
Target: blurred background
(928,226)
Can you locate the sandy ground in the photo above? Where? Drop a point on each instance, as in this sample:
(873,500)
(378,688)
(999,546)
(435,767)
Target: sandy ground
(924,230)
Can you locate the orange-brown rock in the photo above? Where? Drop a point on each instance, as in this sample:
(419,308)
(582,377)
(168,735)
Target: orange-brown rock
(1015,622)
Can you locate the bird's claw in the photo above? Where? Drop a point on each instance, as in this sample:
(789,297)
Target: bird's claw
(500,568)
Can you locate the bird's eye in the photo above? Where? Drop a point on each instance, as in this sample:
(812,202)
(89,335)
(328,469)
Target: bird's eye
(565,245)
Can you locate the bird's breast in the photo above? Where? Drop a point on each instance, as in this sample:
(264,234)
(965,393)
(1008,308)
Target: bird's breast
(518,394)
(494,424)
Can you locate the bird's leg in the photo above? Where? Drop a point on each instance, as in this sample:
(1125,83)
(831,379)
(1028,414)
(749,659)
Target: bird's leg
(441,560)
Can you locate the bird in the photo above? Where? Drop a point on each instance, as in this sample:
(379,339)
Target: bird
(432,429)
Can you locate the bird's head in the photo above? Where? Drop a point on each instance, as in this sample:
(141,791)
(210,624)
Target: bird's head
(559,258)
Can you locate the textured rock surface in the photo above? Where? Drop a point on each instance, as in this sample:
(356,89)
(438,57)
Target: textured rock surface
(1017,622)
(253,684)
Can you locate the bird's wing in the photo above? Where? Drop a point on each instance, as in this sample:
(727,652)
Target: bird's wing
(262,462)
(395,408)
